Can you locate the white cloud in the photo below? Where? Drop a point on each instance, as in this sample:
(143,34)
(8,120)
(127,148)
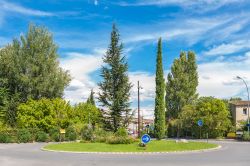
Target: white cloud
(95,2)
(229,48)
(217,78)
(80,67)
(12,7)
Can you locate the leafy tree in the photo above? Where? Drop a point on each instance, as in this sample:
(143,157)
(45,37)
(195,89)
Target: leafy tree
(3,104)
(86,113)
(91,99)
(159,113)
(30,68)
(214,114)
(181,84)
(44,114)
(115,87)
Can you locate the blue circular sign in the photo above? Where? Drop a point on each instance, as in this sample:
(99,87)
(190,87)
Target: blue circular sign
(200,123)
(145,138)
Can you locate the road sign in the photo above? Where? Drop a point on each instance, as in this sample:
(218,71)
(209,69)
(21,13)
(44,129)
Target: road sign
(200,123)
(248,125)
(145,138)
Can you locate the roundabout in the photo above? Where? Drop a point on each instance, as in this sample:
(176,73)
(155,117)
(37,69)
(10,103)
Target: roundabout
(230,154)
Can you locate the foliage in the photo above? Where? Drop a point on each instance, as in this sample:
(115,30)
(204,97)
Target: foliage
(30,68)
(91,99)
(159,121)
(70,134)
(115,87)
(54,134)
(87,133)
(23,135)
(5,137)
(246,136)
(44,114)
(41,136)
(85,113)
(181,85)
(214,114)
(3,103)
(119,140)
(121,132)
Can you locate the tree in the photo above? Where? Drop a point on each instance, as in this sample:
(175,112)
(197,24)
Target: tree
(30,68)
(3,104)
(214,114)
(115,87)
(45,114)
(91,99)
(181,84)
(159,121)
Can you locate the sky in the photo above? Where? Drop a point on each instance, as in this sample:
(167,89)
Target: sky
(218,31)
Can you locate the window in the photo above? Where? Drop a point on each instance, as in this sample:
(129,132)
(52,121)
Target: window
(244,111)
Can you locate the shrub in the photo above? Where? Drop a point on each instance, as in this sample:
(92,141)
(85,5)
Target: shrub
(41,136)
(5,138)
(54,134)
(246,136)
(87,133)
(71,133)
(101,135)
(23,135)
(121,132)
(119,140)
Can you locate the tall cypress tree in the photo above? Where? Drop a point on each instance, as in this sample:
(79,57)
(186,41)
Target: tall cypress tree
(91,99)
(182,83)
(115,87)
(159,114)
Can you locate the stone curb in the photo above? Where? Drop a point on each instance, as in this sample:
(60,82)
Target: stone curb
(138,153)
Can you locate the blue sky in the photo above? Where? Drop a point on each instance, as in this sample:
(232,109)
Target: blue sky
(217,30)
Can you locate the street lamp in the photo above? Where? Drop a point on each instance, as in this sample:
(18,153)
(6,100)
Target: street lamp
(139,87)
(238,77)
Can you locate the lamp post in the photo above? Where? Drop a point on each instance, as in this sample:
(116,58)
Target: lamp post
(238,77)
(139,128)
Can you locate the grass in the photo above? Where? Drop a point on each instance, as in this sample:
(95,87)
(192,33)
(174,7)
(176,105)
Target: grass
(153,146)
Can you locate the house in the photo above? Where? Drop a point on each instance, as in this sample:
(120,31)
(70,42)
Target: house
(133,126)
(239,111)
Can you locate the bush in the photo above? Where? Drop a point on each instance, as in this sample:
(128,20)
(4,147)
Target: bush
(54,134)
(121,132)
(101,135)
(41,136)
(5,138)
(87,133)
(246,136)
(119,140)
(71,134)
(23,135)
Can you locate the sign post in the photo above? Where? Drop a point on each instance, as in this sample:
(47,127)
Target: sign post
(200,124)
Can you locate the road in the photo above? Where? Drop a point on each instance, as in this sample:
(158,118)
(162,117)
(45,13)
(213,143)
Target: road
(231,154)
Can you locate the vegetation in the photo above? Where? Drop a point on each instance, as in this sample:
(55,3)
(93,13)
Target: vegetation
(159,121)
(154,146)
(181,84)
(115,87)
(91,99)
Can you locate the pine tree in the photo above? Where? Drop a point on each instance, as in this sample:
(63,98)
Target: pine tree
(181,84)
(115,87)
(91,99)
(159,113)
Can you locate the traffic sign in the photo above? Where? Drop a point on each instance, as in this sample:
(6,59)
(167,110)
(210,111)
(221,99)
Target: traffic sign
(145,138)
(200,123)
(248,125)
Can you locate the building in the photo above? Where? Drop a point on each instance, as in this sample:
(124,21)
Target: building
(133,126)
(239,111)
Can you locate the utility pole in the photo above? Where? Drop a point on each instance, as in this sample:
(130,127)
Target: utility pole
(139,128)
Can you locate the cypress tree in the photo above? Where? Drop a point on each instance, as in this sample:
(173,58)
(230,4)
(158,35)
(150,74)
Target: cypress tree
(115,87)
(91,99)
(159,113)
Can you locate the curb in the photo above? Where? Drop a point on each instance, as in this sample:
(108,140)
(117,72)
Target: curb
(138,153)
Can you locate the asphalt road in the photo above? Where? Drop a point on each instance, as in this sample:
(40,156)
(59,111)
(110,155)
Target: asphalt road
(231,154)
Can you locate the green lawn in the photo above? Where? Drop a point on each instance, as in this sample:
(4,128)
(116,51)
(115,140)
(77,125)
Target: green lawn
(153,146)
